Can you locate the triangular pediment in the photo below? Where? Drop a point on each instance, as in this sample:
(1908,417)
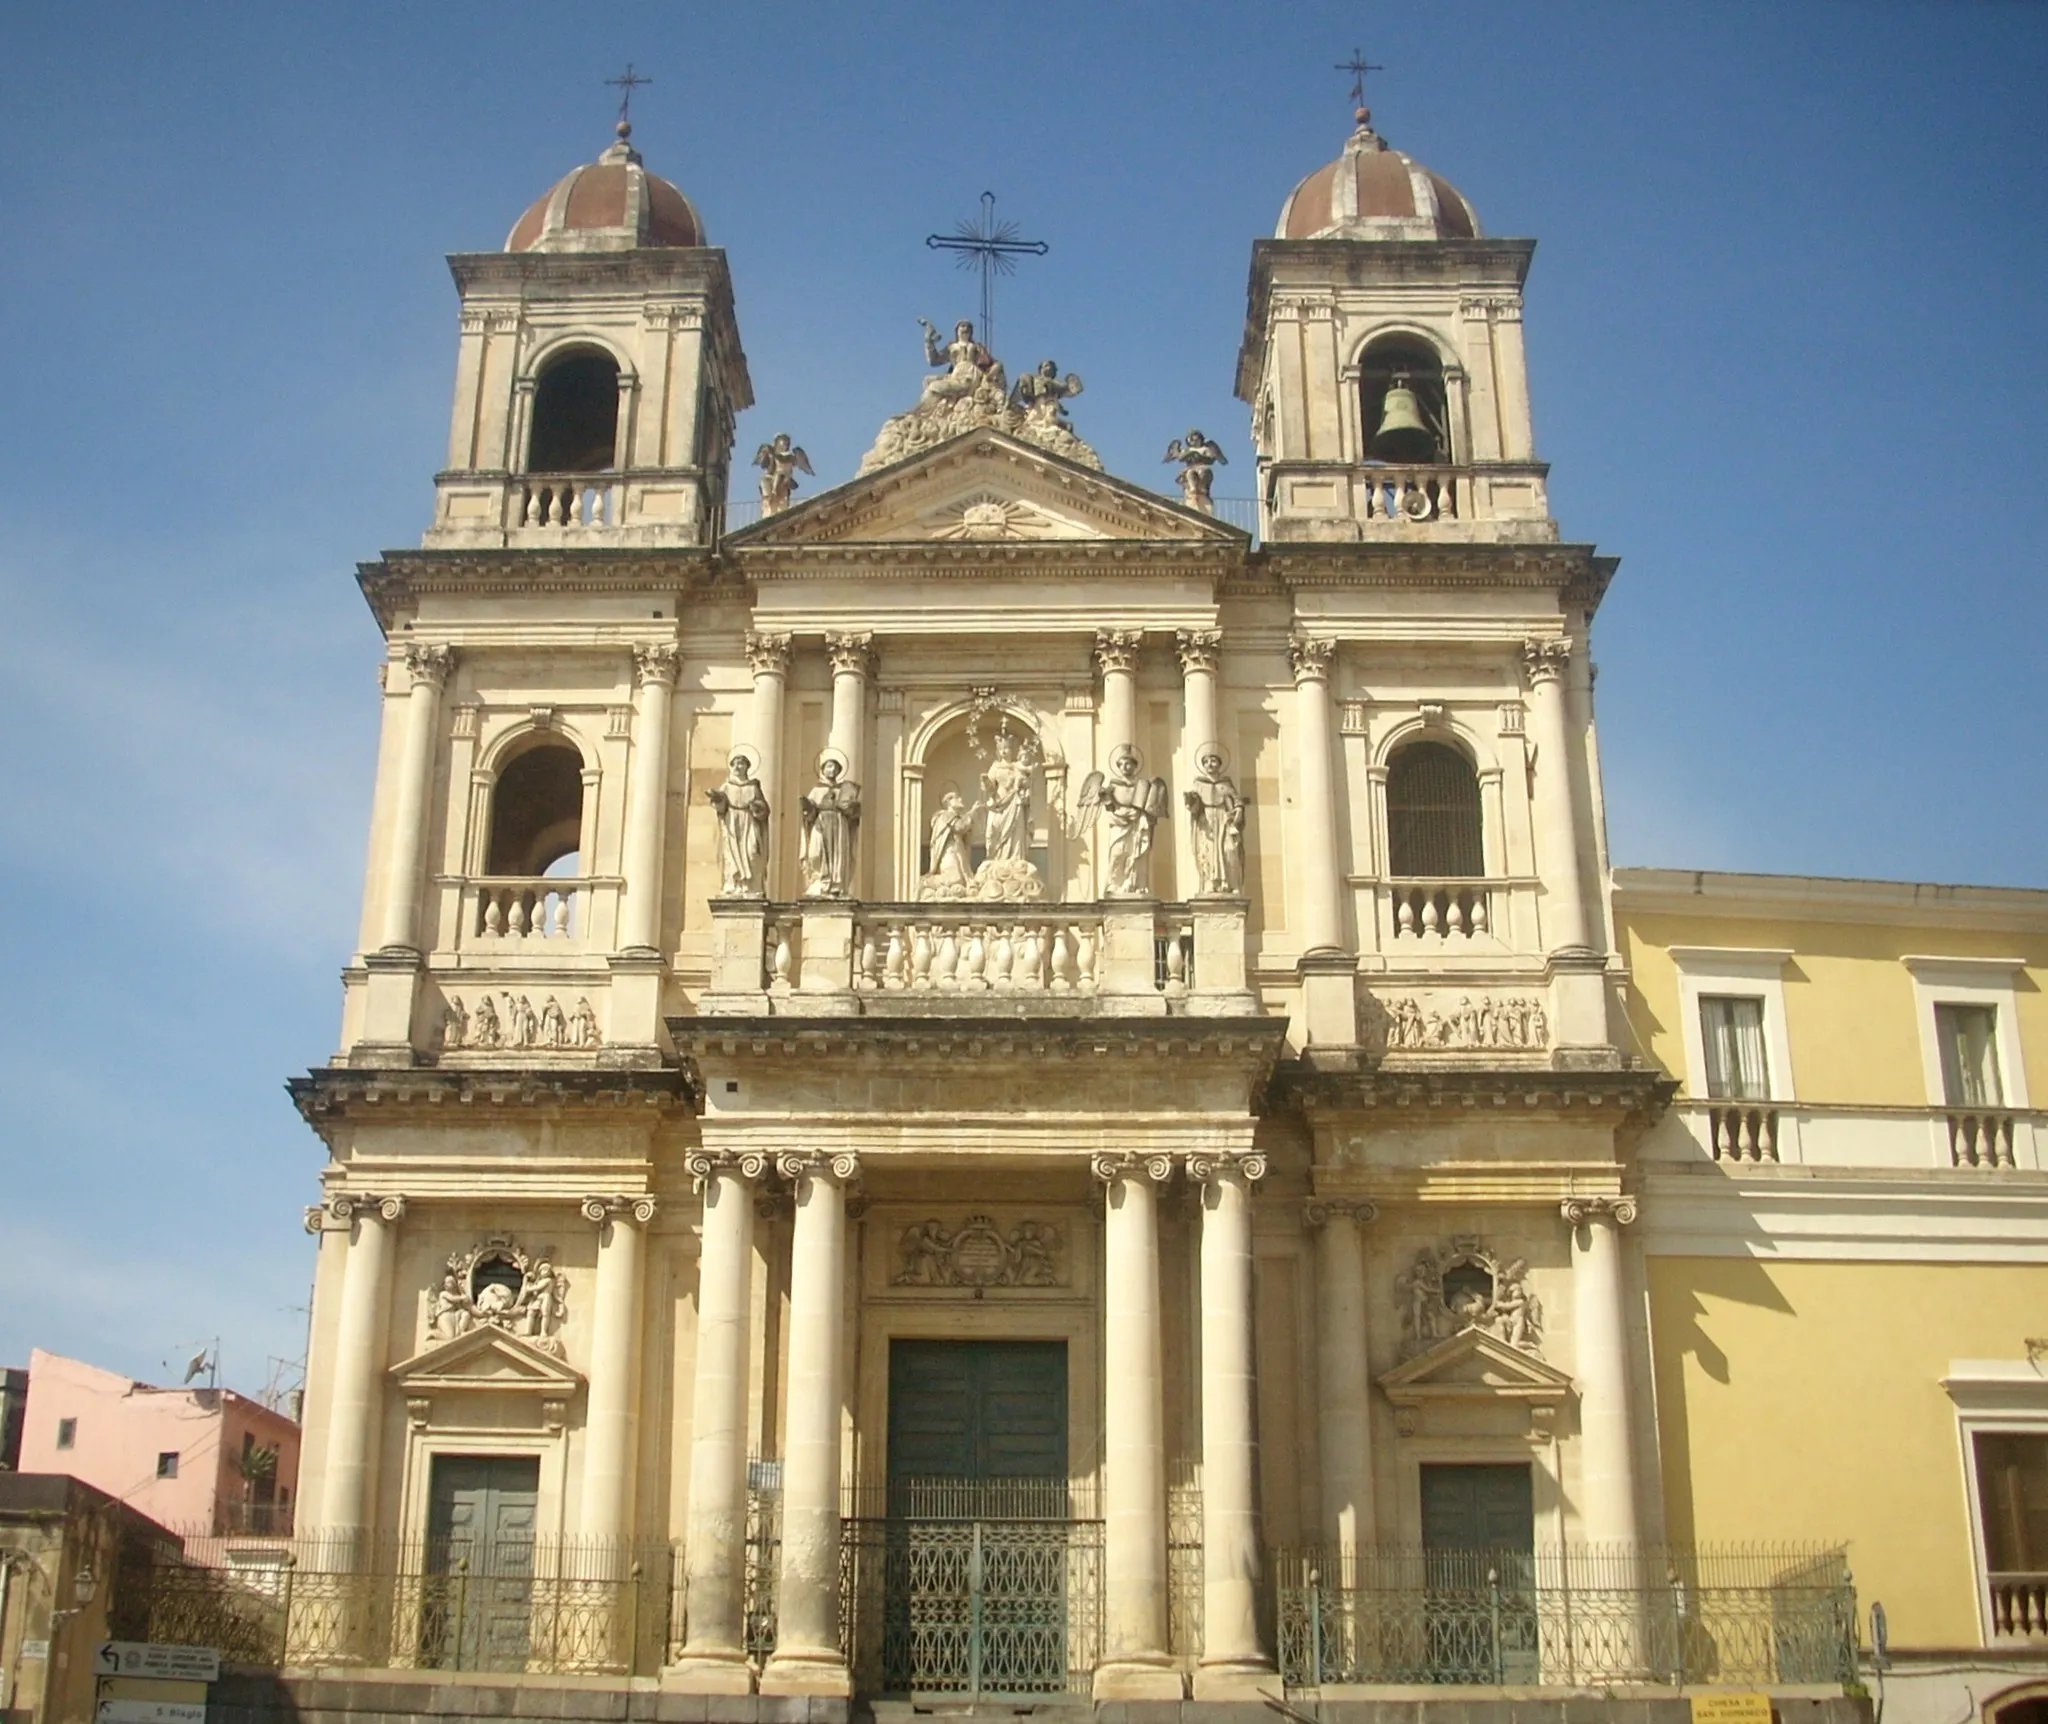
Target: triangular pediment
(486,1358)
(1474,1366)
(983,487)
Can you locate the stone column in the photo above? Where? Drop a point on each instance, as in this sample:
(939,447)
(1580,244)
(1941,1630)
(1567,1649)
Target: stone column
(1234,1657)
(714,1659)
(1607,1466)
(853,657)
(807,1659)
(1135,1663)
(1199,649)
(768,659)
(1343,1377)
(1557,850)
(428,667)
(654,670)
(1328,970)
(614,1391)
(1116,656)
(361,1346)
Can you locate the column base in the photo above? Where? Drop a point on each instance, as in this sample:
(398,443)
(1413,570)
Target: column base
(818,1672)
(708,1673)
(1138,1679)
(1235,1679)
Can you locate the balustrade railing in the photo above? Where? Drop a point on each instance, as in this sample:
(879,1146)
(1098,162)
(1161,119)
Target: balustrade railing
(1743,1132)
(1016,950)
(513,909)
(1413,493)
(2019,1606)
(1458,909)
(1980,1138)
(566,500)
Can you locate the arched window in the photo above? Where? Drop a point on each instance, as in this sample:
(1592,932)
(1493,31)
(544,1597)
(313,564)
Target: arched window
(536,813)
(1434,830)
(1418,431)
(575,415)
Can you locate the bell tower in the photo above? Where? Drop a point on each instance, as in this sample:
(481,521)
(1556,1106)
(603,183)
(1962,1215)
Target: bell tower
(600,372)
(1383,362)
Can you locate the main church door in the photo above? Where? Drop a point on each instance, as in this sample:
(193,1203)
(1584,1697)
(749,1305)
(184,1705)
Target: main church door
(1479,1558)
(980,1530)
(477,1606)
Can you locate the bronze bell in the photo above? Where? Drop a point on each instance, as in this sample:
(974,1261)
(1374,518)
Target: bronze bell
(1403,436)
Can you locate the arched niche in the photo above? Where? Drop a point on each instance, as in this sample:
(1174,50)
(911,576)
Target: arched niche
(952,752)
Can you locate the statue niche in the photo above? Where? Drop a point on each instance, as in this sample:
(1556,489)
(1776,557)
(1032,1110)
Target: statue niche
(984,790)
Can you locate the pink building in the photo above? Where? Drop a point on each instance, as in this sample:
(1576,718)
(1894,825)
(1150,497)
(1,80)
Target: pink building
(191,1459)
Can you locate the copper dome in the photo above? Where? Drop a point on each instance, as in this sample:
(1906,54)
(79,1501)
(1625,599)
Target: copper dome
(611,204)
(1373,192)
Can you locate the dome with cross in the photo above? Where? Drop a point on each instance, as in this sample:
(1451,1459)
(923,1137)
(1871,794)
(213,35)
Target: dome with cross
(1373,191)
(611,204)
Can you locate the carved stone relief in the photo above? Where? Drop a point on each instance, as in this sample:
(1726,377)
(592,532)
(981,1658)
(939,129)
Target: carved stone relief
(979,1254)
(1461,1285)
(482,1027)
(496,1285)
(1489,1021)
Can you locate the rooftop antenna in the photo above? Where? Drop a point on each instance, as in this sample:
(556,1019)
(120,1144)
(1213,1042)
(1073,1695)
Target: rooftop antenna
(992,247)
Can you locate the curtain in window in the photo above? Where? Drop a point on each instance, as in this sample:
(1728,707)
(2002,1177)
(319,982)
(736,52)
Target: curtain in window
(1733,1029)
(1969,1055)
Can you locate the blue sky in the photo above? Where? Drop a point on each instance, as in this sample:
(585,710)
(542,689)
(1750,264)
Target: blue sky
(1788,359)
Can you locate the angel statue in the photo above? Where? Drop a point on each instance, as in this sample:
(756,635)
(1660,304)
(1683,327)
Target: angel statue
(1216,822)
(742,807)
(1043,395)
(780,461)
(831,815)
(1133,807)
(1199,458)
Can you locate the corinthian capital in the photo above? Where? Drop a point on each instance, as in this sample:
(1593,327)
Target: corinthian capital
(767,654)
(1199,650)
(1117,649)
(1544,661)
(660,662)
(851,654)
(1578,1211)
(1310,657)
(429,664)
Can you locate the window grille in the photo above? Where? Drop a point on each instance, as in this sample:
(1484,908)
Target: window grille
(1732,1030)
(1434,830)
(1969,1055)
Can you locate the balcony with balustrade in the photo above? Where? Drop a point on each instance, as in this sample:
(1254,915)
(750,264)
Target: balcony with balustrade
(1426,503)
(547,511)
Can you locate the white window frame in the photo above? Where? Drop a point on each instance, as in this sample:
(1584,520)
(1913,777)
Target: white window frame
(1992,1396)
(1749,972)
(1990,982)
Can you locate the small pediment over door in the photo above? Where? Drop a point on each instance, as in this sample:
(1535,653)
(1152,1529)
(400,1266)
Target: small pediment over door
(1476,1368)
(984,487)
(481,1378)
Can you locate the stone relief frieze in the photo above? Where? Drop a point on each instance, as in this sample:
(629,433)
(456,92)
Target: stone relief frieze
(1490,1021)
(979,1254)
(1460,1285)
(482,1027)
(497,1285)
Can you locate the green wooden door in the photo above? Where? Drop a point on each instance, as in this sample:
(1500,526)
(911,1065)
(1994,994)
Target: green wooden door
(1479,1559)
(979,1526)
(477,1602)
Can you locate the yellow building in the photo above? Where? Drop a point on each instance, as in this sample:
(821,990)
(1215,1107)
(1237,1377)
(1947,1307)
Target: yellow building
(1845,1230)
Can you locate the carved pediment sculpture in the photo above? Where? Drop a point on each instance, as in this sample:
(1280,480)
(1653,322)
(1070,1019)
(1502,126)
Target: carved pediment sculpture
(1460,1286)
(979,1254)
(972,392)
(496,1285)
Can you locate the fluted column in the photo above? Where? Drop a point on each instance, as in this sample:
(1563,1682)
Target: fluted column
(1328,970)
(768,659)
(613,1394)
(1116,656)
(654,671)
(807,1658)
(355,1400)
(1343,1375)
(1200,651)
(714,1659)
(428,667)
(1233,1654)
(1135,1662)
(1607,1465)
(1557,849)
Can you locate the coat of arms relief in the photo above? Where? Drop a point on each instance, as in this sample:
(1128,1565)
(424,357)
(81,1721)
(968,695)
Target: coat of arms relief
(497,1285)
(979,1253)
(1461,1285)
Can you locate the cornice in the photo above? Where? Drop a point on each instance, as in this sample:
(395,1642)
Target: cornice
(1825,898)
(328,1093)
(1635,1095)
(638,267)
(398,579)
(1254,1042)
(1570,568)
(1166,559)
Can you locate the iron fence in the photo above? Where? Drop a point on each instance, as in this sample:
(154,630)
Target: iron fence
(1566,1616)
(542,1606)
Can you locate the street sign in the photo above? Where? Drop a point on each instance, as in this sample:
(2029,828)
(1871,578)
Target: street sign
(173,1663)
(1731,1709)
(152,1712)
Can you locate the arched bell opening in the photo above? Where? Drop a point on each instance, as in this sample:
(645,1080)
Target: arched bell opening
(1436,829)
(575,415)
(1403,403)
(537,815)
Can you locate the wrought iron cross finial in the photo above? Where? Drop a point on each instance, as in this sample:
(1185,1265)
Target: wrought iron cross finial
(626,83)
(991,247)
(1358,65)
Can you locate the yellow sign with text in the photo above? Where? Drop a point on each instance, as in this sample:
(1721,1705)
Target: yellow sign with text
(1731,1709)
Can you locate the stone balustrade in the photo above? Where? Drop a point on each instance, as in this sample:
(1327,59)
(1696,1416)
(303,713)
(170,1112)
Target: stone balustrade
(2019,1607)
(1437,910)
(590,500)
(1014,951)
(1486,501)
(1741,1134)
(638,506)
(1980,1137)
(521,909)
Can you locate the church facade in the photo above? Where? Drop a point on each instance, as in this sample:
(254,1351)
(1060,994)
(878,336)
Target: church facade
(986,1084)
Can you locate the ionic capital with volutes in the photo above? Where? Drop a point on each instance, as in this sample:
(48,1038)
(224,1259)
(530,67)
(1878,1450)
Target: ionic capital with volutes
(767,654)
(796,1165)
(1108,1169)
(1545,661)
(1199,649)
(702,1164)
(659,662)
(429,664)
(1319,1212)
(601,1209)
(1310,656)
(851,654)
(1577,1211)
(1116,650)
(346,1206)
(1205,1165)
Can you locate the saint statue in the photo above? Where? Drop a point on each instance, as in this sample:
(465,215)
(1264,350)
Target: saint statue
(1199,457)
(1216,822)
(742,807)
(951,829)
(780,460)
(1042,394)
(1006,786)
(831,816)
(1133,807)
(968,363)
